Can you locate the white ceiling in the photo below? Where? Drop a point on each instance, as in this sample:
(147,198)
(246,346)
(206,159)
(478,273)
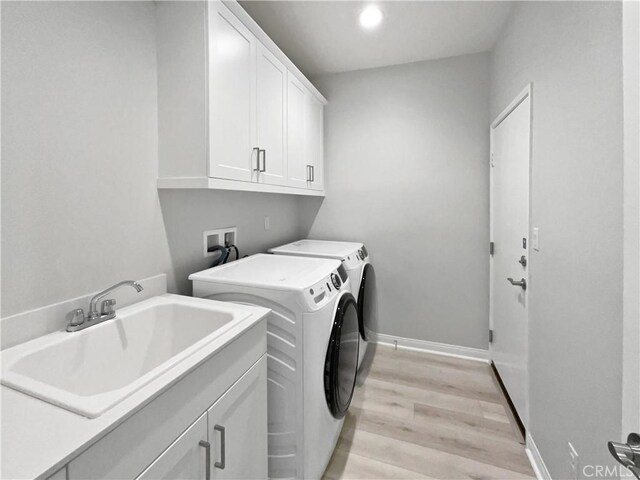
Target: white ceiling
(325,37)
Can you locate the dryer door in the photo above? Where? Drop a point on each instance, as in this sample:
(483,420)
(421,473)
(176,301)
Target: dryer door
(341,363)
(364,309)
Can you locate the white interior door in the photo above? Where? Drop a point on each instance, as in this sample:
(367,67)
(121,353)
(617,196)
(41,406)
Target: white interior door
(298,172)
(510,150)
(232,96)
(271,117)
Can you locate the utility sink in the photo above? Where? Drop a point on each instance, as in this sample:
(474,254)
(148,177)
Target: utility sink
(90,371)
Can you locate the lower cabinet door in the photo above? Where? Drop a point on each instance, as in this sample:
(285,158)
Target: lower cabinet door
(238,428)
(184,459)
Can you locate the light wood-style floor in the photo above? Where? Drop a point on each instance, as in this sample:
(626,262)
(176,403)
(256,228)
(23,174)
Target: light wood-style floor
(419,415)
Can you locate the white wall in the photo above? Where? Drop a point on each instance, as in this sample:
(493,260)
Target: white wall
(188,213)
(571,51)
(80,209)
(406,151)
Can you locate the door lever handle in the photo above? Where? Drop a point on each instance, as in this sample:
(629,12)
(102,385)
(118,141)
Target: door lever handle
(518,283)
(628,454)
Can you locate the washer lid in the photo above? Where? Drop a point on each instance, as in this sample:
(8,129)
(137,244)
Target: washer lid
(270,271)
(339,250)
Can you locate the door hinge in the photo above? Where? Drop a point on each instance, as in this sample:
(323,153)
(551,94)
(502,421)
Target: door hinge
(492,162)
(492,248)
(490,336)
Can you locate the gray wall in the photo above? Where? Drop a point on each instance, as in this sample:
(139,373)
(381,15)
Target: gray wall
(572,54)
(80,209)
(406,152)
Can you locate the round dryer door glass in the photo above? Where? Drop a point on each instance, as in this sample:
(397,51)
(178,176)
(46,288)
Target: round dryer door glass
(341,363)
(364,294)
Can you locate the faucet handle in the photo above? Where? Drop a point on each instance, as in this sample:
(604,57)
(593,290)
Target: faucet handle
(77,317)
(106,307)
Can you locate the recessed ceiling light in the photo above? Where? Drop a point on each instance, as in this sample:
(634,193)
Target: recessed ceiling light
(370,17)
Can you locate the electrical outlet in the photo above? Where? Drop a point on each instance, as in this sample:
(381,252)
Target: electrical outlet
(222,236)
(574,461)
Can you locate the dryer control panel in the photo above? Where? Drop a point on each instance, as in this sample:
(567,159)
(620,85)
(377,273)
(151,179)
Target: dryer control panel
(326,289)
(355,258)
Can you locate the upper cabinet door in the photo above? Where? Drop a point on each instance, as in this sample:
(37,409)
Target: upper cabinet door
(299,172)
(314,141)
(232,96)
(271,118)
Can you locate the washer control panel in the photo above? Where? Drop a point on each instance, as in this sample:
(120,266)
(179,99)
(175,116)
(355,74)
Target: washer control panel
(323,291)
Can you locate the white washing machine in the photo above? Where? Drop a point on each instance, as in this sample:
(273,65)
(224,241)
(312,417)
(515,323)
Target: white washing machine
(312,351)
(355,258)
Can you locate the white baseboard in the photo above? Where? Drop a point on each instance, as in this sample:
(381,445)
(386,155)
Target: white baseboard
(467,353)
(535,458)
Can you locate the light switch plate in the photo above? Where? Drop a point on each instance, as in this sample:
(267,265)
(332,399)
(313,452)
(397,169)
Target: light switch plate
(535,240)
(267,223)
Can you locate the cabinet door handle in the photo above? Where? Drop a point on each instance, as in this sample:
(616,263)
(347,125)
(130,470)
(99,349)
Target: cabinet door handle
(257,152)
(264,161)
(313,173)
(207,458)
(308,173)
(223,455)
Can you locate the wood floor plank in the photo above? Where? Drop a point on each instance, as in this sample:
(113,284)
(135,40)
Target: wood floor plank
(376,387)
(428,416)
(384,351)
(494,411)
(349,465)
(392,406)
(436,379)
(506,454)
(417,415)
(431,462)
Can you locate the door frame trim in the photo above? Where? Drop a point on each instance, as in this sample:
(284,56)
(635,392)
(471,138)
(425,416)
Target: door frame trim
(631,209)
(527,92)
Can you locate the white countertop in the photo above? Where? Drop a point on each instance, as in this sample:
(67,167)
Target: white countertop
(39,438)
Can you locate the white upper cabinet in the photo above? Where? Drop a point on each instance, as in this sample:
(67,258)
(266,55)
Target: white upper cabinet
(233,111)
(271,118)
(296,104)
(232,96)
(314,134)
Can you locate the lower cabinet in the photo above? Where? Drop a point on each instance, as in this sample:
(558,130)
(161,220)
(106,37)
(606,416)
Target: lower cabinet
(186,457)
(238,429)
(228,441)
(211,424)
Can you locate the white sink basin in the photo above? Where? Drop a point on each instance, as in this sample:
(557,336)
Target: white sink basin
(92,370)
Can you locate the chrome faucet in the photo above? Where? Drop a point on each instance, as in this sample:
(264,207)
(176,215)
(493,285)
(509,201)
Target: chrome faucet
(78,319)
